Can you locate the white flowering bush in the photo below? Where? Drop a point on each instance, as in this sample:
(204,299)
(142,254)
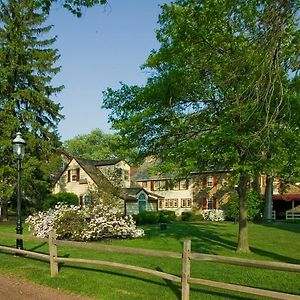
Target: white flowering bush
(89,223)
(213,215)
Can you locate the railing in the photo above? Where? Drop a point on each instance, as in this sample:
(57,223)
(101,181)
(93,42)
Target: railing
(186,256)
(291,215)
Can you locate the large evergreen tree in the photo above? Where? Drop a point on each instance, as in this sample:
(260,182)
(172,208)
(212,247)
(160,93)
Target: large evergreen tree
(224,91)
(27,68)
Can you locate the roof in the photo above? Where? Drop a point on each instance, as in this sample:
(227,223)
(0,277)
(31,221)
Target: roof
(99,163)
(292,193)
(131,193)
(286,197)
(143,173)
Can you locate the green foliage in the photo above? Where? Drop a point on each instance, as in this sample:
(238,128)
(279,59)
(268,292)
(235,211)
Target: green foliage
(254,206)
(26,73)
(99,146)
(64,197)
(74,6)
(186,216)
(191,216)
(153,217)
(210,238)
(166,216)
(224,91)
(146,217)
(232,208)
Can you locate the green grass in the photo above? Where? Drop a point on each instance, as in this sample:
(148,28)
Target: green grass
(274,242)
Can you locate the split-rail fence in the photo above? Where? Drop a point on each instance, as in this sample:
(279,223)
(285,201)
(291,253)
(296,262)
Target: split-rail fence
(187,256)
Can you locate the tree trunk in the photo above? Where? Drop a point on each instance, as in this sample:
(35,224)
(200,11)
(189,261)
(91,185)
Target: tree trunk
(268,199)
(243,242)
(4,207)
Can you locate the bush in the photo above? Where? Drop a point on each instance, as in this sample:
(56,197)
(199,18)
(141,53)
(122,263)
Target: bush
(186,216)
(90,223)
(166,216)
(191,216)
(255,207)
(147,217)
(67,198)
(216,215)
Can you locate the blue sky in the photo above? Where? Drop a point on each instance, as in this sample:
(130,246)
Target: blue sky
(103,47)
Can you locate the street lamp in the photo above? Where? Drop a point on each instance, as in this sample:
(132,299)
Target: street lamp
(19,152)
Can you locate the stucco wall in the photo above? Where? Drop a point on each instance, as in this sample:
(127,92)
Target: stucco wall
(80,187)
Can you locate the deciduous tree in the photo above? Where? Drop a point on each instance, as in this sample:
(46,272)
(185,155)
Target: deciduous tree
(223,89)
(98,146)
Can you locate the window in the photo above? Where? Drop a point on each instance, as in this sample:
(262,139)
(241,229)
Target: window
(186,202)
(171,203)
(126,175)
(159,185)
(209,203)
(142,202)
(87,200)
(183,184)
(160,203)
(144,184)
(210,182)
(73,175)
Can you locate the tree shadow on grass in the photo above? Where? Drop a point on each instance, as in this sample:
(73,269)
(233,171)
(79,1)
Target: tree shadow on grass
(174,287)
(210,238)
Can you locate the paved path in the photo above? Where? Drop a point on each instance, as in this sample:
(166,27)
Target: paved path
(18,289)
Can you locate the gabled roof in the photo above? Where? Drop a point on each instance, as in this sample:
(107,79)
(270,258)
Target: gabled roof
(131,193)
(97,176)
(89,166)
(99,163)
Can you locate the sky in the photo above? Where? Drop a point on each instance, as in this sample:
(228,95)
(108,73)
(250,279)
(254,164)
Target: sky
(108,44)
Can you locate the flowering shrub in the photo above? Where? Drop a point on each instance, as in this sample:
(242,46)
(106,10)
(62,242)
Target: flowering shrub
(89,223)
(213,215)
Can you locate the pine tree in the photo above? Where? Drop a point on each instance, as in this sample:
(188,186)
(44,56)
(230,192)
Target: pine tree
(27,68)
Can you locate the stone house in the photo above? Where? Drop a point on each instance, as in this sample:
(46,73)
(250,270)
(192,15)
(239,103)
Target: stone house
(111,179)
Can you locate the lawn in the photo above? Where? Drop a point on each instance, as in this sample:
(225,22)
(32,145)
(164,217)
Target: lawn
(274,242)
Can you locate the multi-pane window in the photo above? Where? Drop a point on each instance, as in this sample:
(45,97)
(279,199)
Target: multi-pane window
(171,203)
(142,202)
(160,203)
(186,202)
(126,175)
(209,203)
(73,175)
(163,185)
(210,181)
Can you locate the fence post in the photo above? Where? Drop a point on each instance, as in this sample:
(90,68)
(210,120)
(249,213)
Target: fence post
(53,253)
(186,268)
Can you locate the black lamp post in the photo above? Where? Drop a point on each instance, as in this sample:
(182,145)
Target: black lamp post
(19,152)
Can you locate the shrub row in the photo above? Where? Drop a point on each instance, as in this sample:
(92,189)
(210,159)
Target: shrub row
(153,217)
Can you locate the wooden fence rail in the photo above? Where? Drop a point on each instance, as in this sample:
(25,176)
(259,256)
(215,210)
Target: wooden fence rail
(186,256)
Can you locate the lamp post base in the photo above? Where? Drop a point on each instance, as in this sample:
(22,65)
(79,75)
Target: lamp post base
(19,230)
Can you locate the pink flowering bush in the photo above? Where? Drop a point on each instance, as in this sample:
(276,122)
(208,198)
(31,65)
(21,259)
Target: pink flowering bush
(89,223)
